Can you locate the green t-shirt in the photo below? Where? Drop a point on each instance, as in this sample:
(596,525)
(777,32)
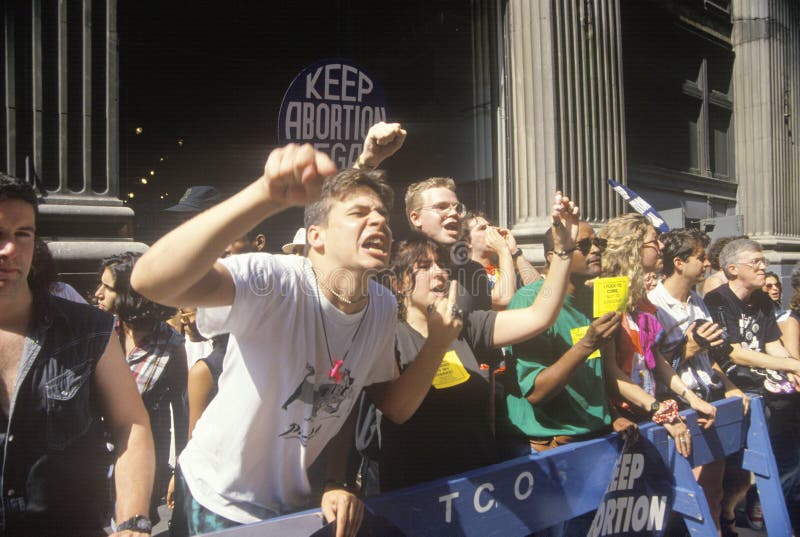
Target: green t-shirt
(582,407)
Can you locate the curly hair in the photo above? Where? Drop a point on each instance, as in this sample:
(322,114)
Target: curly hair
(405,257)
(131,307)
(623,254)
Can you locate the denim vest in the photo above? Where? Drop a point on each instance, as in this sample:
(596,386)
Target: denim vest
(55,460)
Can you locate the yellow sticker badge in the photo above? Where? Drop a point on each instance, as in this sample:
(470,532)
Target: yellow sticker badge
(577,334)
(610,294)
(451,372)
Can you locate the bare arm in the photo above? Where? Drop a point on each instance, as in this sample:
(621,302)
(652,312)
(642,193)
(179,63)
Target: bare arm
(513,326)
(790,330)
(552,380)
(399,399)
(201,383)
(130,428)
(779,362)
(669,376)
(506,283)
(339,503)
(527,272)
(181,270)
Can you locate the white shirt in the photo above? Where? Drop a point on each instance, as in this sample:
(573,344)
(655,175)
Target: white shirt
(676,317)
(276,408)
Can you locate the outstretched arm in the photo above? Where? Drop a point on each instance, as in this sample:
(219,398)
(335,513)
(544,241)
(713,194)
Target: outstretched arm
(513,326)
(181,270)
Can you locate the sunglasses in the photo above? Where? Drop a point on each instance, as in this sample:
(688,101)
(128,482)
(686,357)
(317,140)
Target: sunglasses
(771,285)
(585,245)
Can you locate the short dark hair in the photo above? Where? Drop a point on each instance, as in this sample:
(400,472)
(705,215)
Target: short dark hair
(13,188)
(680,243)
(131,307)
(340,186)
(406,254)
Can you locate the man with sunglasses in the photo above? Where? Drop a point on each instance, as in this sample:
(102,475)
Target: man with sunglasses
(557,395)
(756,361)
(561,394)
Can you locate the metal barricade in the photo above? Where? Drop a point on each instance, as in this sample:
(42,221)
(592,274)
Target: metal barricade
(534,492)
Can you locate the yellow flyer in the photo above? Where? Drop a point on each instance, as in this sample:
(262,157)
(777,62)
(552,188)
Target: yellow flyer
(610,294)
(451,372)
(577,334)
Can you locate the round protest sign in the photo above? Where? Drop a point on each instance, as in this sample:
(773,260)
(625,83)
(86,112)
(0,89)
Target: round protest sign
(332,104)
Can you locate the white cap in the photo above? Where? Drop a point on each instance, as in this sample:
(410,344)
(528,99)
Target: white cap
(298,240)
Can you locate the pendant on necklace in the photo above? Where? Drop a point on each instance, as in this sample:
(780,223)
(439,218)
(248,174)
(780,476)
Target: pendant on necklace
(335,374)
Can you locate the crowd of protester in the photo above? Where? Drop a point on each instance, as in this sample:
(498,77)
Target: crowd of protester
(269,375)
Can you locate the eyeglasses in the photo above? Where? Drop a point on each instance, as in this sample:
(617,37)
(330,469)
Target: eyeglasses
(445,207)
(771,285)
(653,243)
(585,245)
(755,263)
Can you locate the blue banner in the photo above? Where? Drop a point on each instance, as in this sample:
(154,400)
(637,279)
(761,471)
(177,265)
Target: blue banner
(637,501)
(640,205)
(332,104)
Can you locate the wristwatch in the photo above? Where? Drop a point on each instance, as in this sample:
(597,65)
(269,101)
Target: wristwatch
(654,406)
(517,253)
(138,523)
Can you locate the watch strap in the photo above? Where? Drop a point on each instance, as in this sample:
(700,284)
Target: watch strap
(137,523)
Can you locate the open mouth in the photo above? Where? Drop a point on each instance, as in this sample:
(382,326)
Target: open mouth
(452,226)
(377,245)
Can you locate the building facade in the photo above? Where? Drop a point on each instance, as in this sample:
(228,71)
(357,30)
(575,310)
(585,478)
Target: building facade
(695,104)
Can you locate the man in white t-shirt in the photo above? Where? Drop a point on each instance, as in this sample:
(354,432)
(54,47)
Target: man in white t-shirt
(307,334)
(689,333)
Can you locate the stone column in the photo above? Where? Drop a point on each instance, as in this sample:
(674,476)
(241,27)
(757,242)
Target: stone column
(566,109)
(766,89)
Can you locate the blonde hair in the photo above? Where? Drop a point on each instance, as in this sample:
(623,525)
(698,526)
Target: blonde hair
(414,193)
(623,254)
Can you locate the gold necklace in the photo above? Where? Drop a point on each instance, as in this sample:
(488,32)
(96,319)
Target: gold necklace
(344,299)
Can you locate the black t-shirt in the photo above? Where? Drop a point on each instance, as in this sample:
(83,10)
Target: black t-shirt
(473,286)
(451,432)
(751,324)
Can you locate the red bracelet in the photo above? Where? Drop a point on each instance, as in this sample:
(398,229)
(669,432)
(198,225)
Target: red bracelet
(668,413)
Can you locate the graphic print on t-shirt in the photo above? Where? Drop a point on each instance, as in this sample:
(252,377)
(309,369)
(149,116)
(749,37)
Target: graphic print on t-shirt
(325,399)
(451,372)
(774,381)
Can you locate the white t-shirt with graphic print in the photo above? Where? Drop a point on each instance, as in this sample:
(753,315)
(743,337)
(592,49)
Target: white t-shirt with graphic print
(277,408)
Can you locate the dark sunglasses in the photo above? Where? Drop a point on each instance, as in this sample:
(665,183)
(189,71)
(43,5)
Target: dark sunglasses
(585,245)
